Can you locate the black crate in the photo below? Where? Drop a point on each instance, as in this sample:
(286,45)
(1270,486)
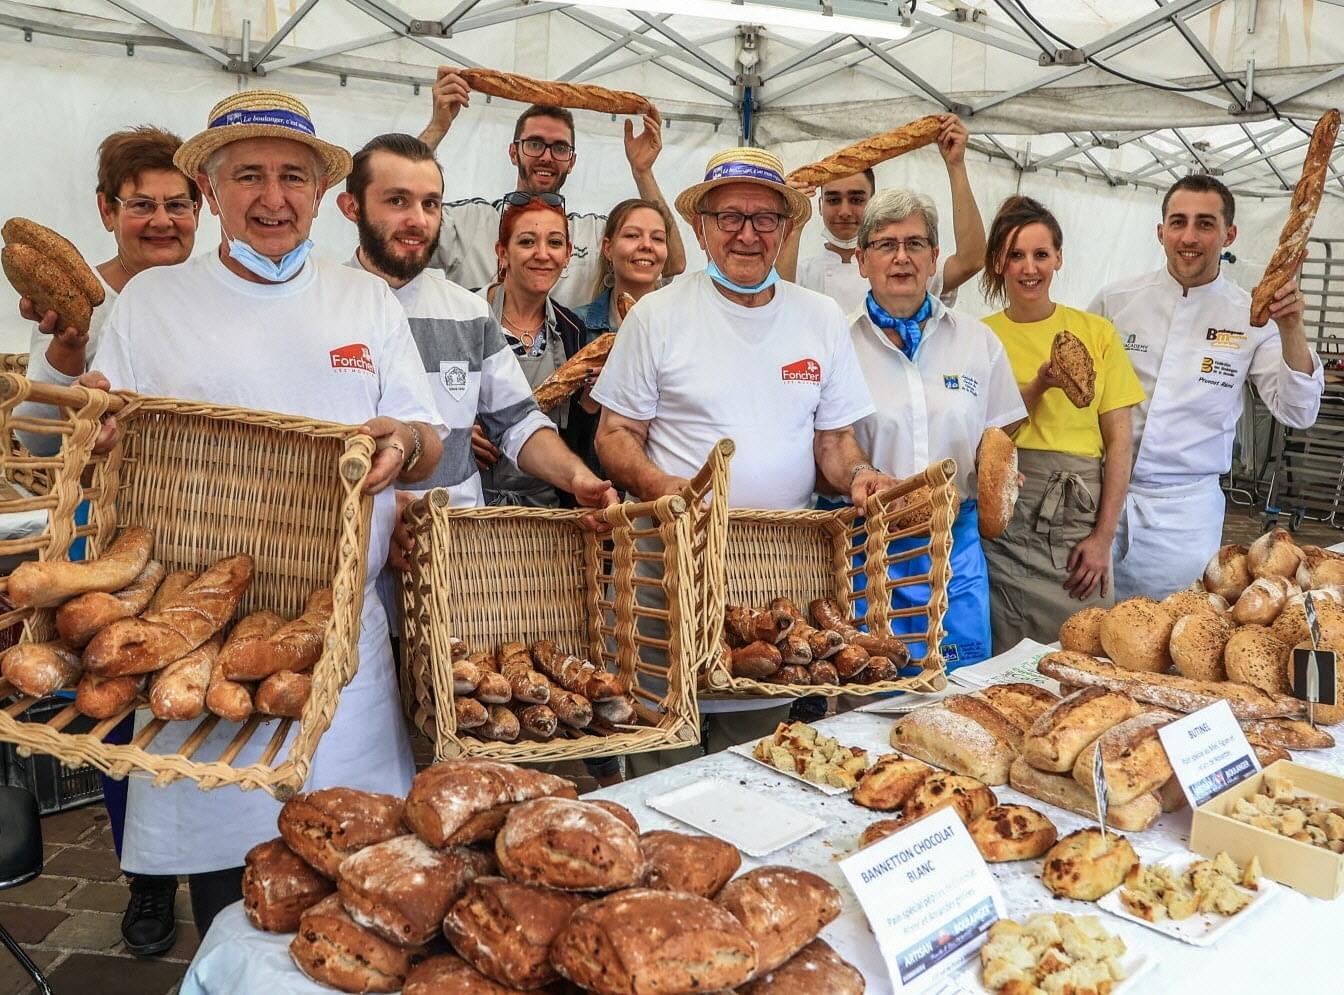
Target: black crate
(55,786)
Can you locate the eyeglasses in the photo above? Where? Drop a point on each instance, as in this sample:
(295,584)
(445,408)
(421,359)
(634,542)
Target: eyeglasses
(914,246)
(535,147)
(763,222)
(147,207)
(521,198)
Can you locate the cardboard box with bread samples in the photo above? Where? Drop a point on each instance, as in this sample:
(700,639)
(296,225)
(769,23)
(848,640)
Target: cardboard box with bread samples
(1311,869)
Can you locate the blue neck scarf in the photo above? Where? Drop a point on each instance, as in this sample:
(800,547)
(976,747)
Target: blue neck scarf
(907,328)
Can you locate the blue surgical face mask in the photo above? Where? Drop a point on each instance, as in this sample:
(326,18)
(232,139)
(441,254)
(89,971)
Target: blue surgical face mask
(265,267)
(717,276)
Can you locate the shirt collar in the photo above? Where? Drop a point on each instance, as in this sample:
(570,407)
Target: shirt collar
(860,319)
(1213,288)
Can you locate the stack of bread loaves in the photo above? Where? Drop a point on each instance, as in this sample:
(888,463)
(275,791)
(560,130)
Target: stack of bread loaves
(127,624)
(492,879)
(778,645)
(1239,627)
(537,693)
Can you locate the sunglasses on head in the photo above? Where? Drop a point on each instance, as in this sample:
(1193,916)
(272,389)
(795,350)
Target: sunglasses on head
(521,198)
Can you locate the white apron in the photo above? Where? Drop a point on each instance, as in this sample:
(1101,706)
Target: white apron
(1166,535)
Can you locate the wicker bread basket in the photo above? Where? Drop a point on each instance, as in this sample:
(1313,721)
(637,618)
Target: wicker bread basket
(209,482)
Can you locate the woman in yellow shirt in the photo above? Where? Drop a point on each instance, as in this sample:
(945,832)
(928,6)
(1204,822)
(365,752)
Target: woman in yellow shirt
(1055,557)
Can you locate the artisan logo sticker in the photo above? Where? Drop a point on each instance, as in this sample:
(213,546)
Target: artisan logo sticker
(803,371)
(453,376)
(1224,338)
(355,356)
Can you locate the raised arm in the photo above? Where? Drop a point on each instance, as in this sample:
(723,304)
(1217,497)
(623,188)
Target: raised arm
(968,228)
(642,151)
(449,95)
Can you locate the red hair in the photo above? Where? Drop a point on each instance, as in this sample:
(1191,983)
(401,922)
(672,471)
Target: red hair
(508,221)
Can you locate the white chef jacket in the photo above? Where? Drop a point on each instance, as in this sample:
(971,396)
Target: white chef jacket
(938,406)
(1193,352)
(828,274)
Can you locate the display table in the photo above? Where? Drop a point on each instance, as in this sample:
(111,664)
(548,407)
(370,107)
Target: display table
(1286,945)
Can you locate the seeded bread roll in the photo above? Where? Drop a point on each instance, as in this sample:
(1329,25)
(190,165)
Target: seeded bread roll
(279,886)
(1228,573)
(1012,832)
(1184,603)
(504,929)
(1085,866)
(996,481)
(1064,731)
(1072,363)
(697,865)
(1197,643)
(1254,656)
(783,908)
(1263,600)
(1081,632)
(1136,634)
(1291,625)
(889,783)
(568,844)
(1274,554)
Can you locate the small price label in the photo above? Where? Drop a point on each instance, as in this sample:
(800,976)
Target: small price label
(1208,751)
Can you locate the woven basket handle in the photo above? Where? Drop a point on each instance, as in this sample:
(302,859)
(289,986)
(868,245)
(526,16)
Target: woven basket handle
(74,396)
(357,458)
(936,475)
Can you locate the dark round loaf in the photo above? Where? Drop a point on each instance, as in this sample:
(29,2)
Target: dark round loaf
(697,865)
(448,974)
(332,949)
(813,970)
(278,887)
(324,827)
(504,929)
(569,844)
(782,908)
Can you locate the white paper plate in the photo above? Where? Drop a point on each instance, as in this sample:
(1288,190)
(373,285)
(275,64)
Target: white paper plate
(1201,930)
(754,823)
(744,750)
(1135,963)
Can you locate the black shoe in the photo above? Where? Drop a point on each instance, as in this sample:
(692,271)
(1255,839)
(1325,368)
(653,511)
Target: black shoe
(148,927)
(810,708)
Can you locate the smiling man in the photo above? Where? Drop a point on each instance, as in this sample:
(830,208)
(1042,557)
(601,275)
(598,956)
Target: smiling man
(1188,333)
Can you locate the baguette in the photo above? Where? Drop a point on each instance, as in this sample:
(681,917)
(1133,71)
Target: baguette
(494,689)
(749,625)
(995,481)
(178,690)
(823,672)
(80,618)
(795,649)
(469,713)
(501,724)
(535,721)
(850,662)
(583,96)
(1292,247)
(102,698)
(39,669)
(1289,733)
(756,660)
(44,583)
(1168,690)
(293,646)
(152,641)
(870,151)
(466,677)
(1064,792)
(567,380)
(525,683)
(829,615)
(174,584)
(575,675)
(574,710)
(284,694)
(229,699)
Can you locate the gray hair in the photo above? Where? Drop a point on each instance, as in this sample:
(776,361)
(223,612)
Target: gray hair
(215,160)
(889,206)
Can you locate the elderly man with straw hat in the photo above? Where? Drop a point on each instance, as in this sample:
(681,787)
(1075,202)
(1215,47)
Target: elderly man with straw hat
(733,352)
(259,324)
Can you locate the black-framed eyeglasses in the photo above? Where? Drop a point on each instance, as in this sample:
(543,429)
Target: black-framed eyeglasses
(147,207)
(533,148)
(763,222)
(521,198)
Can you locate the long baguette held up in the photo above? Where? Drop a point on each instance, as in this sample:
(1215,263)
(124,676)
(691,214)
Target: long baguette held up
(570,376)
(1292,247)
(525,89)
(51,582)
(870,151)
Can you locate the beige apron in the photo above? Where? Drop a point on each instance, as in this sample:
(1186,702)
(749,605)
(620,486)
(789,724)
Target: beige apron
(1028,565)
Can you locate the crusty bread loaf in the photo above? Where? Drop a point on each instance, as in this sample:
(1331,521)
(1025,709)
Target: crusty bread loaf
(292,646)
(941,789)
(38,669)
(996,481)
(568,379)
(1085,865)
(1319,568)
(1072,364)
(1020,703)
(1291,734)
(145,644)
(284,694)
(568,844)
(334,950)
(1169,690)
(967,737)
(104,697)
(889,783)
(1267,753)
(400,889)
(1136,635)
(1261,603)
(1065,730)
(1062,791)
(448,974)
(504,929)
(48,285)
(466,801)
(43,583)
(697,865)
(1274,554)
(1133,759)
(178,690)
(58,249)
(870,151)
(1197,643)
(641,940)
(583,96)
(1292,247)
(1254,656)
(1011,832)
(325,827)
(1081,632)
(278,887)
(1184,603)
(783,908)
(1228,573)
(80,618)
(811,971)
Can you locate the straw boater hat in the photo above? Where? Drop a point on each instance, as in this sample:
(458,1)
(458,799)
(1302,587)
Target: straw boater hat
(260,114)
(744,165)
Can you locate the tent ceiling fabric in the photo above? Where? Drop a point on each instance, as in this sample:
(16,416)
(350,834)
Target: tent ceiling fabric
(1035,79)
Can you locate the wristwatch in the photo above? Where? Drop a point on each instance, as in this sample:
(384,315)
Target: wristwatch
(416,449)
(858,469)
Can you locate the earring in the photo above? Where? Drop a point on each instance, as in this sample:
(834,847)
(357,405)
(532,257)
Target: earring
(564,272)
(609,280)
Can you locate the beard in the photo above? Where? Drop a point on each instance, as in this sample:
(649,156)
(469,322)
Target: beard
(377,245)
(527,183)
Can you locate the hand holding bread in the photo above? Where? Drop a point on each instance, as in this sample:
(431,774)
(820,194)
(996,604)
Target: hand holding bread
(870,151)
(46,269)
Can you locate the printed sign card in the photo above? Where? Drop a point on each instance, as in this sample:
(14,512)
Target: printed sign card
(1208,751)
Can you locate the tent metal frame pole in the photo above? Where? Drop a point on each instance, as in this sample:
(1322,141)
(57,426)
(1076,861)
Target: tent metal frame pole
(283,32)
(853,47)
(686,45)
(638,59)
(606,51)
(212,54)
(505,14)
(317,55)
(952,25)
(927,88)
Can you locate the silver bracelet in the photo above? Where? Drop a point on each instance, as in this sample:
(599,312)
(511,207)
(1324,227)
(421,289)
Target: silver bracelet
(858,469)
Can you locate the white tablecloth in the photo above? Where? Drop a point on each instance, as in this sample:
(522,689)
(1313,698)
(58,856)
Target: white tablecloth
(1286,945)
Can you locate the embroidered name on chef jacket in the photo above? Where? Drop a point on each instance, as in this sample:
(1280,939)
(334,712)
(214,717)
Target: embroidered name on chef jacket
(962,382)
(1224,338)
(802,371)
(453,376)
(1217,373)
(355,356)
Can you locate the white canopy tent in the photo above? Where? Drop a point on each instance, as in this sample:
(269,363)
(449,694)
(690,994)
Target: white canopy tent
(1226,86)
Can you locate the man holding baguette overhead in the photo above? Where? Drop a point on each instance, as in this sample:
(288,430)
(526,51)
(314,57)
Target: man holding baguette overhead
(259,324)
(733,352)
(1187,329)
(543,151)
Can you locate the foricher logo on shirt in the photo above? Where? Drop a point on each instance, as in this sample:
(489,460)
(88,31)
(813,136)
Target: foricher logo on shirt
(802,371)
(355,356)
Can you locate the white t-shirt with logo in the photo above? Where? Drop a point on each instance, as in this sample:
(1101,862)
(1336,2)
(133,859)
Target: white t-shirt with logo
(700,368)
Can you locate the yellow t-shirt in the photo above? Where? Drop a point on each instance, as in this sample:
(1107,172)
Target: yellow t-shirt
(1056,425)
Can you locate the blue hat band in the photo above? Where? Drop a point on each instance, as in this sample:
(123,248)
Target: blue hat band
(743,170)
(276,118)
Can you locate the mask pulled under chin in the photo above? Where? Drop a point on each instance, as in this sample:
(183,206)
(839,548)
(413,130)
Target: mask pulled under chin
(842,243)
(265,267)
(717,276)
